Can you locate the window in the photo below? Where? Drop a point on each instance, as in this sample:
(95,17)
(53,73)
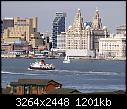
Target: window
(14,89)
(26,90)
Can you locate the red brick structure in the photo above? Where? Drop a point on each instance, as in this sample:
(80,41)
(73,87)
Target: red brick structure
(33,86)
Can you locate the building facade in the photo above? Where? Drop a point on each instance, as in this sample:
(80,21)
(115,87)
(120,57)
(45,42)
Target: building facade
(77,35)
(58,27)
(23,29)
(61,39)
(85,36)
(8,22)
(33,86)
(114,46)
(46,36)
(98,31)
(121,29)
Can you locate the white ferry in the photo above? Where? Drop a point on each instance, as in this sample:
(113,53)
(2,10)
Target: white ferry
(41,65)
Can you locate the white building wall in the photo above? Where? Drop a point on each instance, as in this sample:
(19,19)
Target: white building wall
(79,53)
(61,41)
(113,46)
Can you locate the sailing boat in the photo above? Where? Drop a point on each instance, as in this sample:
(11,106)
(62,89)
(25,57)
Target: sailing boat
(66,60)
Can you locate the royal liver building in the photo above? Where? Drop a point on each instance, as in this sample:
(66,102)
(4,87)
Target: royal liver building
(77,35)
(81,39)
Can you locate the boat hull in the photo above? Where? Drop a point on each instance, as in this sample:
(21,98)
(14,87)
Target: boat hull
(66,61)
(39,68)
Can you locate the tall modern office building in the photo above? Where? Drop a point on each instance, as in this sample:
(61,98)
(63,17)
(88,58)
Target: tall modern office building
(58,27)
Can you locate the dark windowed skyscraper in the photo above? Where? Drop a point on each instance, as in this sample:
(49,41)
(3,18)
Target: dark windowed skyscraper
(58,27)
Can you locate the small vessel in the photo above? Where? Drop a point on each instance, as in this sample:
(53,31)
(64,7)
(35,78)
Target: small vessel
(41,65)
(37,56)
(66,59)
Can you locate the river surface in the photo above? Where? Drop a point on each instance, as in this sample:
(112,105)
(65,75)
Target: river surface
(83,75)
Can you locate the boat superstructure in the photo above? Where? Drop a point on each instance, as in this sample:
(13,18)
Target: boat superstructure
(41,65)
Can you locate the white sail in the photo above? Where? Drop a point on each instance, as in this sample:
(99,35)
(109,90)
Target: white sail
(66,59)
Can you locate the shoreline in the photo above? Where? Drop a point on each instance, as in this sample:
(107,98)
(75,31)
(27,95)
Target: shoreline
(122,59)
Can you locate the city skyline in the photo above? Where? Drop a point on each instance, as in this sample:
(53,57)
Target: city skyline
(112,13)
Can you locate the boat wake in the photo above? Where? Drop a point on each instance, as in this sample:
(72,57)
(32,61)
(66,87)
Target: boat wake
(61,72)
(4,72)
(86,73)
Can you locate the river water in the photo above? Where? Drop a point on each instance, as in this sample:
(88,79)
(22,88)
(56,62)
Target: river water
(83,75)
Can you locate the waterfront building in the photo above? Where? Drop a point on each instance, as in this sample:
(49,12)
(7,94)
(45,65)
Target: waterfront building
(58,27)
(98,31)
(6,47)
(78,36)
(85,36)
(121,29)
(46,37)
(61,39)
(114,46)
(22,45)
(23,29)
(8,22)
(17,46)
(80,53)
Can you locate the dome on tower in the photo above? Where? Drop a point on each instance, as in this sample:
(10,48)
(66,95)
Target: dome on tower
(97,9)
(85,24)
(104,27)
(70,27)
(87,27)
(78,9)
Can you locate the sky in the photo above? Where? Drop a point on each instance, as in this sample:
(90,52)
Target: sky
(112,13)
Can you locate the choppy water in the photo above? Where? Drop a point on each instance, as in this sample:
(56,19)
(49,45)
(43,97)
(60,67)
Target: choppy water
(83,75)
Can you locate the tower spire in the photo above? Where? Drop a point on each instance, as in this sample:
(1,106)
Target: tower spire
(96,9)
(96,24)
(78,20)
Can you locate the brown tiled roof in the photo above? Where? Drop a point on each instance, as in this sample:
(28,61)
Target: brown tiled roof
(64,91)
(32,82)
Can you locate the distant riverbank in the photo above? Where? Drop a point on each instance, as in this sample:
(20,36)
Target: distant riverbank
(26,57)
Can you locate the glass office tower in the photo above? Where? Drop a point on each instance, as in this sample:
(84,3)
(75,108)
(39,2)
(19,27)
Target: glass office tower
(58,27)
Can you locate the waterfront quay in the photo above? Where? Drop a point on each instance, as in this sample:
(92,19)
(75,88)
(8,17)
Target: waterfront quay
(41,56)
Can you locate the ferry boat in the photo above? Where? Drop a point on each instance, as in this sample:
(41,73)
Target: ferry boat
(41,65)
(66,59)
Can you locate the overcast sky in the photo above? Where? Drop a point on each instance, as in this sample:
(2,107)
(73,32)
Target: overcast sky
(112,13)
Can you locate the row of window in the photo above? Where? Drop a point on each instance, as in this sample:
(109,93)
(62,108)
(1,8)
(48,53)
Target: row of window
(23,25)
(111,45)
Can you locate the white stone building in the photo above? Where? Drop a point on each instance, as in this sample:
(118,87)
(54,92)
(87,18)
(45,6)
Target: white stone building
(79,53)
(61,39)
(114,46)
(81,36)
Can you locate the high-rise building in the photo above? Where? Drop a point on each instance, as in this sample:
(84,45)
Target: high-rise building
(78,36)
(84,37)
(58,27)
(24,29)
